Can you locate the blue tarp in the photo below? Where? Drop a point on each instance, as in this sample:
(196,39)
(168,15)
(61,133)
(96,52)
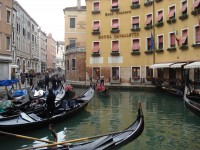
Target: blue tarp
(8,82)
(19,92)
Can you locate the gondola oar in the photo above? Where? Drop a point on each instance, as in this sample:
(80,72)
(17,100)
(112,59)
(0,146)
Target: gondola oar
(74,140)
(25,137)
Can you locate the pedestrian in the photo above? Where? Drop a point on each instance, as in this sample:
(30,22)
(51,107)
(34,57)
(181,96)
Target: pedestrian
(46,80)
(102,80)
(50,102)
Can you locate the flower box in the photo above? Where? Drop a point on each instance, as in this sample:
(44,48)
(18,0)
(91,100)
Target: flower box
(114,9)
(171,20)
(135,52)
(135,6)
(183,47)
(159,24)
(114,53)
(96,12)
(148,52)
(95,32)
(171,49)
(196,45)
(135,29)
(195,11)
(148,27)
(159,50)
(115,31)
(148,3)
(95,54)
(183,17)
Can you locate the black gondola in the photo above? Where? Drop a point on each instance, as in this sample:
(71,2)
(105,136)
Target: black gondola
(192,105)
(113,140)
(29,121)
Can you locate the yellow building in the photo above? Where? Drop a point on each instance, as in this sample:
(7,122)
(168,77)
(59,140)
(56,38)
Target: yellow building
(75,37)
(132,41)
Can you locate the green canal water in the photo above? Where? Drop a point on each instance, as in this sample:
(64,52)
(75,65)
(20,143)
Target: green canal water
(168,124)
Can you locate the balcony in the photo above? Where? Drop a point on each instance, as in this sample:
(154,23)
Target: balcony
(114,30)
(148,52)
(160,50)
(183,47)
(135,29)
(95,32)
(171,49)
(78,47)
(196,45)
(114,9)
(114,53)
(148,27)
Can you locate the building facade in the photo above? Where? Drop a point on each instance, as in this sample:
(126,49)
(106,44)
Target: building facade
(42,50)
(6,11)
(75,39)
(60,56)
(51,53)
(25,40)
(138,41)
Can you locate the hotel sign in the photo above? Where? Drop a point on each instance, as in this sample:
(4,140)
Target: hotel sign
(125,35)
(118,13)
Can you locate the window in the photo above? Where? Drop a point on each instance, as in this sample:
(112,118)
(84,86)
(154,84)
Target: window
(24,32)
(171,12)
(149,73)
(115,24)
(67,64)
(115,73)
(196,74)
(96,73)
(160,16)
(96,26)
(149,44)
(115,4)
(149,20)
(184,38)
(136,45)
(135,72)
(135,2)
(72,22)
(8,16)
(32,38)
(72,43)
(160,42)
(33,28)
(135,22)
(96,6)
(0,12)
(73,64)
(184,7)
(115,46)
(172,40)
(197,34)
(96,48)
(0,41)
(8,43)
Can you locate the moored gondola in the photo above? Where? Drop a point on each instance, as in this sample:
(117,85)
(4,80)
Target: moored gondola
(29,121)
(108,141)
(192,105)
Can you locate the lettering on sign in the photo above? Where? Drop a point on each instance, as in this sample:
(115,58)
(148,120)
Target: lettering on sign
(117,36)
(118,13)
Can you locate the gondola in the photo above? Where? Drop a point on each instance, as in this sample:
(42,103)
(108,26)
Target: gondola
(102,90)
(109,141)
(36,104)
(192,105)
(173,90)
(29,121)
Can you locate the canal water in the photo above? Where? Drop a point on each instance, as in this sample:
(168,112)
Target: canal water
(168,124)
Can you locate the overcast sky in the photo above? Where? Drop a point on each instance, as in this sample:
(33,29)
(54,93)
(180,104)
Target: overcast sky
(49,14)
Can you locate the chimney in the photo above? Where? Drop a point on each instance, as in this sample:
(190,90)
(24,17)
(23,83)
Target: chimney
(79,4)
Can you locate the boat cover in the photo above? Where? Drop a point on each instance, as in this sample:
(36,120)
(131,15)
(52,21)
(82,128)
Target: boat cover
(8,82)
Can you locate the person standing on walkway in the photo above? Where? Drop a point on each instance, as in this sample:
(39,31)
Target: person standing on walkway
(46,80)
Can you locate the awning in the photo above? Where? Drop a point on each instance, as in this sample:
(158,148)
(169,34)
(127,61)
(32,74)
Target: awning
(193,65)
(14,66)
(164,65)
(177,65)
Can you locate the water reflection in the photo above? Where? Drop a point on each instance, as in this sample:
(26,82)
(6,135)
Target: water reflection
(168,124)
